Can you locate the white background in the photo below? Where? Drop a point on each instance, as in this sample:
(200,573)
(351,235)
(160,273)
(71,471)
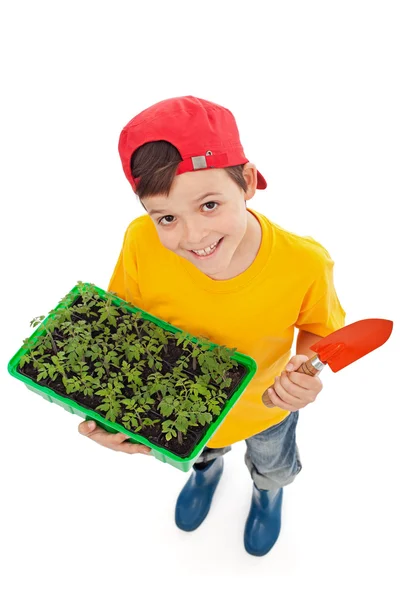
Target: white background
(314,89)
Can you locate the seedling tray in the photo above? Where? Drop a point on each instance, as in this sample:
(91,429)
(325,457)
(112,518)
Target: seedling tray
(163,454)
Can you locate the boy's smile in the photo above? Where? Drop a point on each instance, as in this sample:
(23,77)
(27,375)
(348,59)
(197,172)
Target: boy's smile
(205,212)
(209,251)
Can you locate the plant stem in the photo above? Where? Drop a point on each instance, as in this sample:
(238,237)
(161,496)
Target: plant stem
(139,419)
(52,340)
(144,346)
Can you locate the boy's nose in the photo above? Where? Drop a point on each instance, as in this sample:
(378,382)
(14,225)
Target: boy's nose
(194,233)
(196,241)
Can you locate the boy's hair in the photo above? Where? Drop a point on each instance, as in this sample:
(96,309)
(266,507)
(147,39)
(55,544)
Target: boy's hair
(156,162)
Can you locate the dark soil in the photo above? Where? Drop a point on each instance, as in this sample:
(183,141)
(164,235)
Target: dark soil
(151,433)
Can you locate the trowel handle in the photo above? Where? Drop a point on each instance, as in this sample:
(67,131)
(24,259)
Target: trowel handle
(311,367)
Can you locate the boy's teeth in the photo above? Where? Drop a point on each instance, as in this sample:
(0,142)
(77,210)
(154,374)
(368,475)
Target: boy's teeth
(206,250)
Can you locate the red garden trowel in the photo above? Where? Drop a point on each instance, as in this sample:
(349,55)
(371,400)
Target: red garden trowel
(343,347)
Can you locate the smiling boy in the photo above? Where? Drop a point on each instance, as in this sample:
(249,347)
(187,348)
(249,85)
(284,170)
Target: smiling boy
(235,230)
(202,260)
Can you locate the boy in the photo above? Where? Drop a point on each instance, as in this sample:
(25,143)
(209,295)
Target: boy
(203,261)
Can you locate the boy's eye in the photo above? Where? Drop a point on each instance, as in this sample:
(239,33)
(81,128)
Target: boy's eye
(167,216)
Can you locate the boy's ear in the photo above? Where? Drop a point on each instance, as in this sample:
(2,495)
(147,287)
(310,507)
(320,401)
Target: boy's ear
(250,175)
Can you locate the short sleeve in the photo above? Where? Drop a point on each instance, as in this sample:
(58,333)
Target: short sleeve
(124,280)
(321,312)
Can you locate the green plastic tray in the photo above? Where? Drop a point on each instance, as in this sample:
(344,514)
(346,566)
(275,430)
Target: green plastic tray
(184,464)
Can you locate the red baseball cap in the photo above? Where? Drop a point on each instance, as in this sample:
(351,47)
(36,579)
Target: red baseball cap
(205,134)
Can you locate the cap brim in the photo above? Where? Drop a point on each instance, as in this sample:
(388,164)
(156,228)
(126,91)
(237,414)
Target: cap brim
(261,182)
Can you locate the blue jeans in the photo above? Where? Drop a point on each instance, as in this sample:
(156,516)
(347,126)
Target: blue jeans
(272,456)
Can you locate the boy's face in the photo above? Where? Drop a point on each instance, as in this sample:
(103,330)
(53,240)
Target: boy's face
(204,207)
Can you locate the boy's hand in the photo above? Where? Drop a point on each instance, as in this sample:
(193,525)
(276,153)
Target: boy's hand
(114,441)
(292,391)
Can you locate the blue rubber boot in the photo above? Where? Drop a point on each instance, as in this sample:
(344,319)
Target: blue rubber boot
(194,501)
(264,521)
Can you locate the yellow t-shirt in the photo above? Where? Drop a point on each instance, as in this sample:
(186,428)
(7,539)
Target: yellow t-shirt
(289,284)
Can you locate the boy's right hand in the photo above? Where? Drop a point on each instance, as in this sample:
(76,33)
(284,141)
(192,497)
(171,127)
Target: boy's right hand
(114,441)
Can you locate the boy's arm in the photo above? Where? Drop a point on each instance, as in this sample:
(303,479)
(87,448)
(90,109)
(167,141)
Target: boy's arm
(305,339)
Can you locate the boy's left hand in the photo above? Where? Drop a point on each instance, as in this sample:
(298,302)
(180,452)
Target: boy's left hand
(292,391)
